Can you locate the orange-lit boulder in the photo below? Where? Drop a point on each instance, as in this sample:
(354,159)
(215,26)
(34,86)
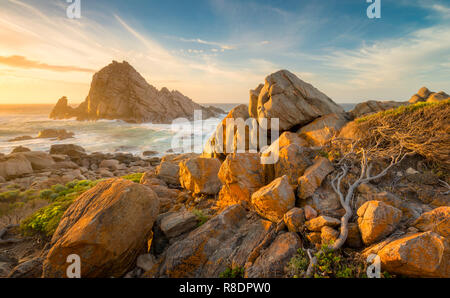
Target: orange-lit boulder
(437,221)
(417,255)
(274,200)
(200,175)
(377,220)
(313,177)
(107,227)
(241,175)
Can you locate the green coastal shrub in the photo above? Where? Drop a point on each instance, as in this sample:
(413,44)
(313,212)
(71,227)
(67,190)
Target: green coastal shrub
(237,272)
(201,217)
(298,265)
(45,221)
(136,177)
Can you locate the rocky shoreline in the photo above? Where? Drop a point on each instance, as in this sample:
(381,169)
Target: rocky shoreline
(334,197)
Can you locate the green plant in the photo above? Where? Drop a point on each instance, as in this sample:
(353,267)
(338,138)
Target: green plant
(136,177)
(45,221)
(323,154)
(201,217)
(237,272)
(298,264)
(331,263)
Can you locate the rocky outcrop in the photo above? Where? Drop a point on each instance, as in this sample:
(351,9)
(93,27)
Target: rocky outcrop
(294,219)
(372,106)
(316,224)
(425,95)
(293,161)
(62,110)
(437,221)
(274,200)
(59,134)
(107,226)
(417,255)
(70,150)
(323,129)
(377,220)
(169,168)
(219,144)
(39,160)
(293,101)
(118,91)
(241,175)
(200,175)
(14,165)
(271,263)
(313,177)
(175,224)
(226,240)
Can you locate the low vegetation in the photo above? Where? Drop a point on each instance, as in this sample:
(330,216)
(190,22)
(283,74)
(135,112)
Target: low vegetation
(237,272)
(45,221)
(201,217)
(330,264)
(421,128)
(136,177)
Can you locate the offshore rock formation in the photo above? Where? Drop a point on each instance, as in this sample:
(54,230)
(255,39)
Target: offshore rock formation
(119,92)
(425,95)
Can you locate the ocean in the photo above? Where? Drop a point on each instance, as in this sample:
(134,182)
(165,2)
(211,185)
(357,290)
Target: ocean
(100,136)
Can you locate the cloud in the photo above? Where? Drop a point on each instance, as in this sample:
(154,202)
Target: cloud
(393,67)
(23,62)
(211,43)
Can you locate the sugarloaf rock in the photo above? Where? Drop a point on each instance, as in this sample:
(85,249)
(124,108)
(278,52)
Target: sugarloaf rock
(119,92)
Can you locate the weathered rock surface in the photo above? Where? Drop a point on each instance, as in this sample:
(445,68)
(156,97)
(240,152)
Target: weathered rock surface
(220,144)
(27,269)
(200,175)
(323,129)
(316,224)
(294,102)
(437,221)
(118,91)
(293,161)
(417,255)
(274,200)
(226,240)
(241,175)
(20,149)
(71,150)
(107,227)
(371,107)
(328,235)
(271,263)
(425,95)
(39,160)
(294,219)
(178,223)
(169,168)
(377,220)
(60,134)
(15,165)
(313,177)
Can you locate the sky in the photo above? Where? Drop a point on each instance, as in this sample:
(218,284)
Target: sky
(217,50)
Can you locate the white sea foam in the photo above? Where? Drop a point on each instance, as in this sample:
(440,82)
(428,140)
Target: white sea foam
(101,136)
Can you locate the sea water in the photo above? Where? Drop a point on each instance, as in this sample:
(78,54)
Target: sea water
(95,136)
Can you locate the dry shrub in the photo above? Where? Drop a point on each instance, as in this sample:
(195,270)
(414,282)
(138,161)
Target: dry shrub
(422,128)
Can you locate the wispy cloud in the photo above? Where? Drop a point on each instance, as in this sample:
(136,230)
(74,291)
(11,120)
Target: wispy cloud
(23,62)
(211,43)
